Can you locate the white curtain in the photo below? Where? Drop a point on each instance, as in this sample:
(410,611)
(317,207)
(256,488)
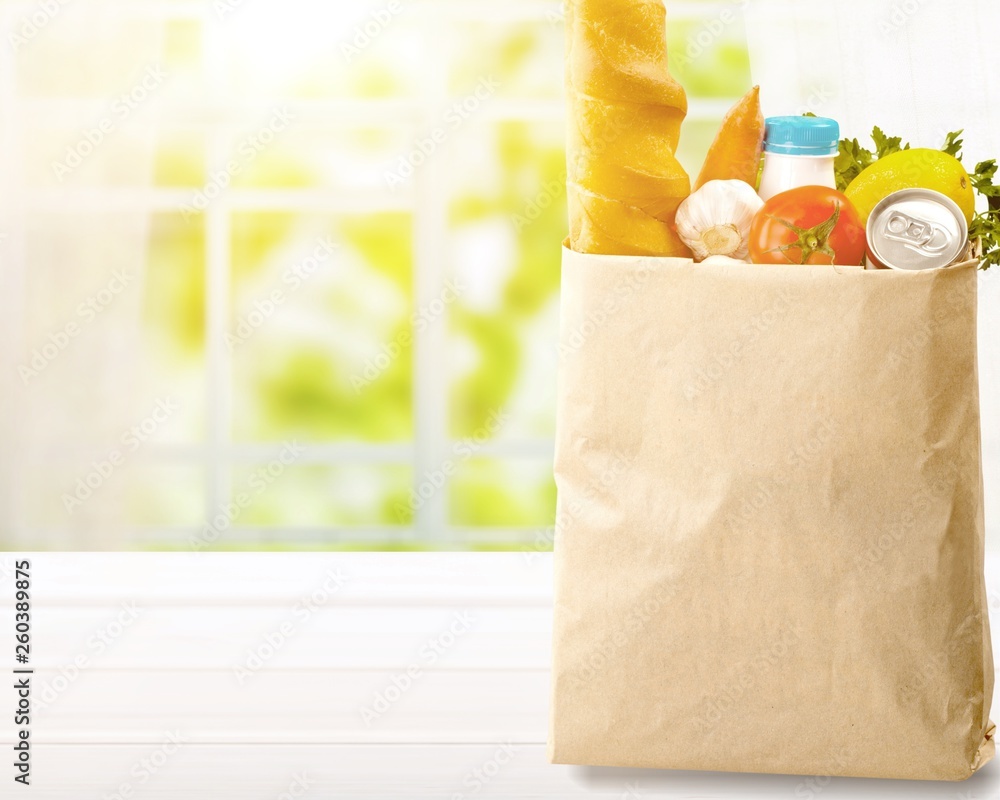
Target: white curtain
(74,249)
(917,69)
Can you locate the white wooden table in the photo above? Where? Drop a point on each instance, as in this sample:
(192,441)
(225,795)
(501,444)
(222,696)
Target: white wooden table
(448,653)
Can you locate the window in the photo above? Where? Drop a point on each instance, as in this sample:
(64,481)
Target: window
(286,276)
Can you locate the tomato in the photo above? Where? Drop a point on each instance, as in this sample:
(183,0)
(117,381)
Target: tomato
(807,225)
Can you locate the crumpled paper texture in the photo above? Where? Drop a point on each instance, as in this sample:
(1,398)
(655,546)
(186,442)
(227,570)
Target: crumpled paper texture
(770,540)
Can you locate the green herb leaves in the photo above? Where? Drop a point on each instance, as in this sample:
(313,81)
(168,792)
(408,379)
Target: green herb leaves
(986,225)
(853,158)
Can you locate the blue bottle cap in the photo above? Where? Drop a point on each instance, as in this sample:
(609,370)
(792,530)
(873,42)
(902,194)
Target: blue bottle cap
(801,136)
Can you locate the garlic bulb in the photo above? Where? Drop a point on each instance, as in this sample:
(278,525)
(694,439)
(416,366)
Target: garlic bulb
(715,220)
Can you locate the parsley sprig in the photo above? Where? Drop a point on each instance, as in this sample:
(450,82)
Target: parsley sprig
(986,225)
(853,158)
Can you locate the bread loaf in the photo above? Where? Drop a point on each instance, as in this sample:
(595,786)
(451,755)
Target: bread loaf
(624,182)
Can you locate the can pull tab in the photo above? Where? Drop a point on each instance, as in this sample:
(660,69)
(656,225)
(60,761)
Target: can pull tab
(926,238)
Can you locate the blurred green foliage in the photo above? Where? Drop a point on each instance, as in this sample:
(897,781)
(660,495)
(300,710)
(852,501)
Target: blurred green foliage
(175,284)
(290,383)
(293,378)
(709,57)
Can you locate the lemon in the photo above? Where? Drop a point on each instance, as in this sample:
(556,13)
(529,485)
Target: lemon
(920,168)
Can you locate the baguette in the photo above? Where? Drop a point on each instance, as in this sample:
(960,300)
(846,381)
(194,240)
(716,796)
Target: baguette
(625,110)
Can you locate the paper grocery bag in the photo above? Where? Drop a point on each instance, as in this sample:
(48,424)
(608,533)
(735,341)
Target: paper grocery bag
(769,545)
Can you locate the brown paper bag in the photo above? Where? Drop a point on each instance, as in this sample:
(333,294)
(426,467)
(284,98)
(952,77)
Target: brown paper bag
(770,537)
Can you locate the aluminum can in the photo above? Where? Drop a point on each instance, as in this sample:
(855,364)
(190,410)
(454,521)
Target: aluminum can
(915,229)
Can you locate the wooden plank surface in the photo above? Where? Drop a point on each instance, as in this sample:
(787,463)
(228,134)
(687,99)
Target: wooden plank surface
(365,675)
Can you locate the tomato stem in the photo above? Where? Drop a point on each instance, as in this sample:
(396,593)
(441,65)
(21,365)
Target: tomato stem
(810,240)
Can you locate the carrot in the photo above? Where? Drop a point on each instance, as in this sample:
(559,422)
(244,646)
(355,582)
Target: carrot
(735,153)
